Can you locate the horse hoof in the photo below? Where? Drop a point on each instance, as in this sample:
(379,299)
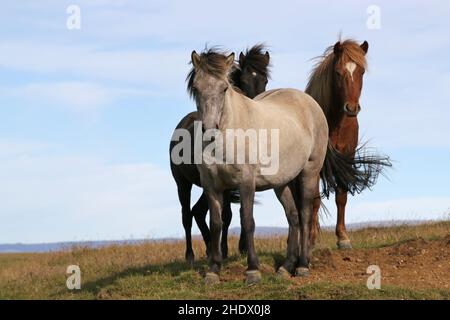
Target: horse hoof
(252,277)
(344,244)
(282,273)
(211,279)
(302,272)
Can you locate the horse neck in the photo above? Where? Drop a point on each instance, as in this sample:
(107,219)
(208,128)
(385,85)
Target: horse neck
(229,112)
(334,110)
(236,77)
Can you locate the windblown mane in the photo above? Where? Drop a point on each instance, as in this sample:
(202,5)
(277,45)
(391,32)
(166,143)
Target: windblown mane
(320,84)
(255,58)
(213,62)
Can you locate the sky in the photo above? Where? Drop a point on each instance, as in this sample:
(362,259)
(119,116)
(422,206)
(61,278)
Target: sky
(86,115)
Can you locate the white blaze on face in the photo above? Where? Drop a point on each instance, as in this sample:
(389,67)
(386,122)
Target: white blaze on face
(254,74)
(351,67)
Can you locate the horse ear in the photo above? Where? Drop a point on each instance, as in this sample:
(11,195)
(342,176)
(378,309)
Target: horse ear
(230,59)
(267,57)
(195,58)
(241,59)
(337,48)
(365,46)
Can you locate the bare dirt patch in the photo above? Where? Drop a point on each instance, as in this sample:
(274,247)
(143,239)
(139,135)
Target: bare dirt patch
(414,264)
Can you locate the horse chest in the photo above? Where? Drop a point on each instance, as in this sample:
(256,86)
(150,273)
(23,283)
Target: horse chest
(222,176)
(345,136)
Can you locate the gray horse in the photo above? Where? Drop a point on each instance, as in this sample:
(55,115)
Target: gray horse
(251,76)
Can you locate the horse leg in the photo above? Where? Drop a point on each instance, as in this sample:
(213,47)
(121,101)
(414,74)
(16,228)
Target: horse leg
(346,142)
(314,232)
(243,242)
(284,195)
(184,195)
(308,192)
(242,238)
(247,191)
(215,202)
(341,232)
(199,210)
(226,220)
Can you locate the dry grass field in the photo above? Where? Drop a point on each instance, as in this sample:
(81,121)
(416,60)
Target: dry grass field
(414,262)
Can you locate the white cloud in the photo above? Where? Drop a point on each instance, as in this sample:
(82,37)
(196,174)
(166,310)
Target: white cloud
(52,198)
(75,95)
(359,209)
(142,48)
(81,97)
(16,148)
(419,208)
(46,197)
(163,70)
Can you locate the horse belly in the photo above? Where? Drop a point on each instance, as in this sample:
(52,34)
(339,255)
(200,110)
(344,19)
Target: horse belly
(345,136)
(290,166)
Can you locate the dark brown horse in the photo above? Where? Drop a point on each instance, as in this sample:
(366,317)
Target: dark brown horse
(250,76)
(336,83)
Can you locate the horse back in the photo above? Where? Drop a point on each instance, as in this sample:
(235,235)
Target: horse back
(294,101)
(187,120)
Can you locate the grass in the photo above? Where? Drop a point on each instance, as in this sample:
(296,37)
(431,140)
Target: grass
(155,270)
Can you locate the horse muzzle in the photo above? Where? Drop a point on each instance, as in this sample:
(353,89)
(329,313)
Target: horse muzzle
(352,110)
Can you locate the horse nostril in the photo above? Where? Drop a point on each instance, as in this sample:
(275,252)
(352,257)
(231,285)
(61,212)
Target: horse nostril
(203,128)
(352,111)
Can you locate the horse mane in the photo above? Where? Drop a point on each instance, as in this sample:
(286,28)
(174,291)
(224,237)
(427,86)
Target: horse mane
(320,83)
(213,62)
(256,58)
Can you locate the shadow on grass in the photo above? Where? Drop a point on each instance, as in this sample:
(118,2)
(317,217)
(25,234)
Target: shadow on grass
(173,269)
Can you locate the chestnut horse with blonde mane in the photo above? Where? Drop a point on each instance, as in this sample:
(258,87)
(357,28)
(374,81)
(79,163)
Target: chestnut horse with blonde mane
(336,83)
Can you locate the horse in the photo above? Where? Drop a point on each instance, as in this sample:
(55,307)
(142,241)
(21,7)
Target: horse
(336,83)
(305,155)
(251,76)
(253,72)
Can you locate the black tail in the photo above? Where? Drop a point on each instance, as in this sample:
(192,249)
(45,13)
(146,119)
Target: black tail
(352,174)
(235,196)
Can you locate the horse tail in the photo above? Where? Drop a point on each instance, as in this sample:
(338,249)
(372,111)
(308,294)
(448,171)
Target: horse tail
(235,196)
(351,173)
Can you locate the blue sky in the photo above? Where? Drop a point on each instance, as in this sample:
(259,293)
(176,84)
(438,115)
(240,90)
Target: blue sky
(87,115)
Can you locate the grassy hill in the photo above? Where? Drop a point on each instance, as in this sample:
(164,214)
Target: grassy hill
(414,262)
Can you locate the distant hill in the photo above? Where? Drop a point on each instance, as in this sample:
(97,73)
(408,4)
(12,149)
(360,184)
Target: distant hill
(61,246)
(273,231)
(260,232)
